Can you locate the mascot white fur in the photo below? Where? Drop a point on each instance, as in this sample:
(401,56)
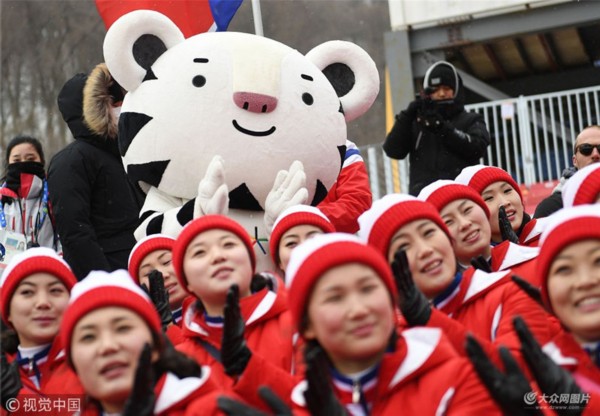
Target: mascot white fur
(231,123)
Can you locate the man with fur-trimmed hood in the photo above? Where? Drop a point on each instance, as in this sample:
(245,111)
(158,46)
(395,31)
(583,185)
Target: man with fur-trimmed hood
(96,206)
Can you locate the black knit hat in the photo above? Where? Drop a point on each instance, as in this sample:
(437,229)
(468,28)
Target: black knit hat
(441,73)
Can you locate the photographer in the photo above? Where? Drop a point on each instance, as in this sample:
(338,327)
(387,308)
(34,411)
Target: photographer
(441,137)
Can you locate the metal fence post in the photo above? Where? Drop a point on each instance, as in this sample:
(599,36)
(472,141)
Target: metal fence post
(527,155)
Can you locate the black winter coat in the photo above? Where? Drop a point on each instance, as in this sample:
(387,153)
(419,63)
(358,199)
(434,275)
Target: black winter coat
(437,154)
(95,205)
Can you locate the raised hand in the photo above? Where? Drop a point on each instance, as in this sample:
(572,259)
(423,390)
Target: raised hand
(10,380)
(480,263)
(506,230)
(510,389)
(550,377)
(235,353)
(288,190)
(213,194)
(141,399)
(159,297)
(233,407)
(412,302)
(320,400)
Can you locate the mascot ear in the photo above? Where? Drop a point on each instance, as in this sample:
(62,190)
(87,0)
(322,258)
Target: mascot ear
(352,73)
(134,42)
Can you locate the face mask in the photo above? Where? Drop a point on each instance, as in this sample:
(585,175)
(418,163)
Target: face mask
(15,170)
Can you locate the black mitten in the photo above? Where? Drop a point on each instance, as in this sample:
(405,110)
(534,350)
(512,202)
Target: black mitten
(509,390)
(412,302)
(414,108)
(233,407)
(159,297)
(235,353)
(480,263)
(141,399)
(550,377)
(506,230)
(320,400)
(10,380)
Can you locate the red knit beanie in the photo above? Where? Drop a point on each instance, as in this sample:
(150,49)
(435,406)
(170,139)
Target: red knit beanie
(387,215)
(480,177)
(314,257)
(293,216)
(200,225)
(565,227)
(144,247)
(101,289)
(441,193)
(33,261)
(583,187)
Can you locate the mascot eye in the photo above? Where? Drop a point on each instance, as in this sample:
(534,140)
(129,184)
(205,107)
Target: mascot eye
(307,98)
(199,81)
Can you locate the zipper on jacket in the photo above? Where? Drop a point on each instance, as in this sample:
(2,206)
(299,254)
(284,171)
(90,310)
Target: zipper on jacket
(356,391)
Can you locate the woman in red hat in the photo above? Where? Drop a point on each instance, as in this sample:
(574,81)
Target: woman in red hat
(442,296)
(239,324)
(503,197)
(294,226)
(468,220)
(342,298)
(34,294)
(154,253)
(114,342)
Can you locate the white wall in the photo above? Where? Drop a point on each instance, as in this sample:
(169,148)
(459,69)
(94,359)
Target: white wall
(423,13)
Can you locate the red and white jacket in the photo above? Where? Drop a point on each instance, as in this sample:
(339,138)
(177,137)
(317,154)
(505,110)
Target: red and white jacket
(350,195)
(269,335)
(174,396)
(52,373)
(519,259)
(530,236)
(485,304)
(423,376)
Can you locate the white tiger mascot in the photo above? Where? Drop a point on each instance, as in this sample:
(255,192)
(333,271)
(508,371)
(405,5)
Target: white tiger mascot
(231,123)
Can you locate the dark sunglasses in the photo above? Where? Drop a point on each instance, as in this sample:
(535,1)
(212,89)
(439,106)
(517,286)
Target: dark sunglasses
(586,149)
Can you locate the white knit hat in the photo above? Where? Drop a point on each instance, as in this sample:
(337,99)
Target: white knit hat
(441,192)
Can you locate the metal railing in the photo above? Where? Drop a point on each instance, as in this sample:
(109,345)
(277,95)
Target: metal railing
(531,137)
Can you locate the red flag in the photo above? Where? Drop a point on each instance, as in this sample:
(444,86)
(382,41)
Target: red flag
(191,16)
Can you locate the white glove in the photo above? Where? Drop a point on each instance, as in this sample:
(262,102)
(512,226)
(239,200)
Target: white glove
(213,194)
(289,190)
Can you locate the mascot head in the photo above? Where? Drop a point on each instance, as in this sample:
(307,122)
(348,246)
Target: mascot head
(256,102)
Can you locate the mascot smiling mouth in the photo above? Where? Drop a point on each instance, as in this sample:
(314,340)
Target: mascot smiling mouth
(252,132)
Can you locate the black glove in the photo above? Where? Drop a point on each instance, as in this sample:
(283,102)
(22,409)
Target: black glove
(260,281)
(159,297)
(414,108)
(235,354)
(233,407)
(509,389)
(412,302)
(506,230)
(550,377)
(429,117)
(532,291)
(141,399)
(480,263)
(320,400)
(10,380)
